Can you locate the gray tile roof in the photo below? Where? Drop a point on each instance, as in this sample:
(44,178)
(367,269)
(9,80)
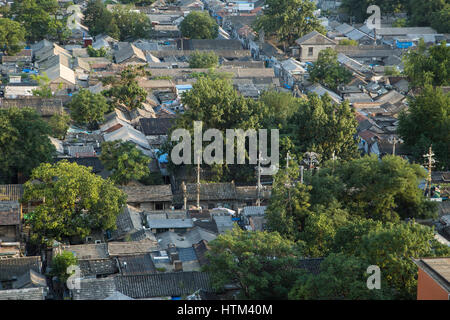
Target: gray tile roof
(162,284)
(95,267)
(223,223)
(201,248)
(187,239)
(156,126)
(139,194)
(24,294)
(136,264)
(30,279)
(254,211)
(314,37)
(128,221)
(186,254)
(15,267)
(95,289)
(9,213)
(169,223)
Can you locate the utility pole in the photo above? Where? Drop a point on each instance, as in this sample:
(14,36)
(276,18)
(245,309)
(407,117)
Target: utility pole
(258,200)
(301,174)
(183,187)
(430,163)
(288,157)
(289,179)
(334,159)
(198,182)
(394,140)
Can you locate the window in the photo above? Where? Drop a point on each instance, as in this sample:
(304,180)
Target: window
(159,206)
(310,51)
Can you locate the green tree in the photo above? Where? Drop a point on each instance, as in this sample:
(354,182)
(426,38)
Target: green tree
(203,60)
(427,123)
(441,20)
(432,64)
(280,107)
(88,108)
(421,12)
(60,263)
(219,106)
(386,190)
(96,53)
(400,23)
(100,20)
(262,264)
(348,42)
(289,204)
(289,20)
(127,92)
(59,124)
(341,277)
(75,202)
(125,161)
(392,249)
(24,142)
(12,36)
(321,227)
(36,18)
(358,8)
(324,127)
(328,71)
(43,82)
(132,25)
(199,25)
(58,30)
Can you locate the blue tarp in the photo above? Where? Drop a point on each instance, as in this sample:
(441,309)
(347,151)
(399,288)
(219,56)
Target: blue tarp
(164,158)
(403,45)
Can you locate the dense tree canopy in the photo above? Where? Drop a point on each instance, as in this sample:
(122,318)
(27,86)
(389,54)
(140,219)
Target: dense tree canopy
(288,20)
(262,264)
(392,248)
(59,124)
(122,23)
(422,13)
(386,190)
(61,262)
(132,25)
(100,20)
(24,142)
(328,71)
(43,89)
(427,123)
(219,106)
(199,25)
(125,161)
(88,108)
(323,127)
(96,52)
(12,36)
(75,202)
(39,19)
(203,60)
(432,64)
(365,188)
(126,92)
(341,277)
